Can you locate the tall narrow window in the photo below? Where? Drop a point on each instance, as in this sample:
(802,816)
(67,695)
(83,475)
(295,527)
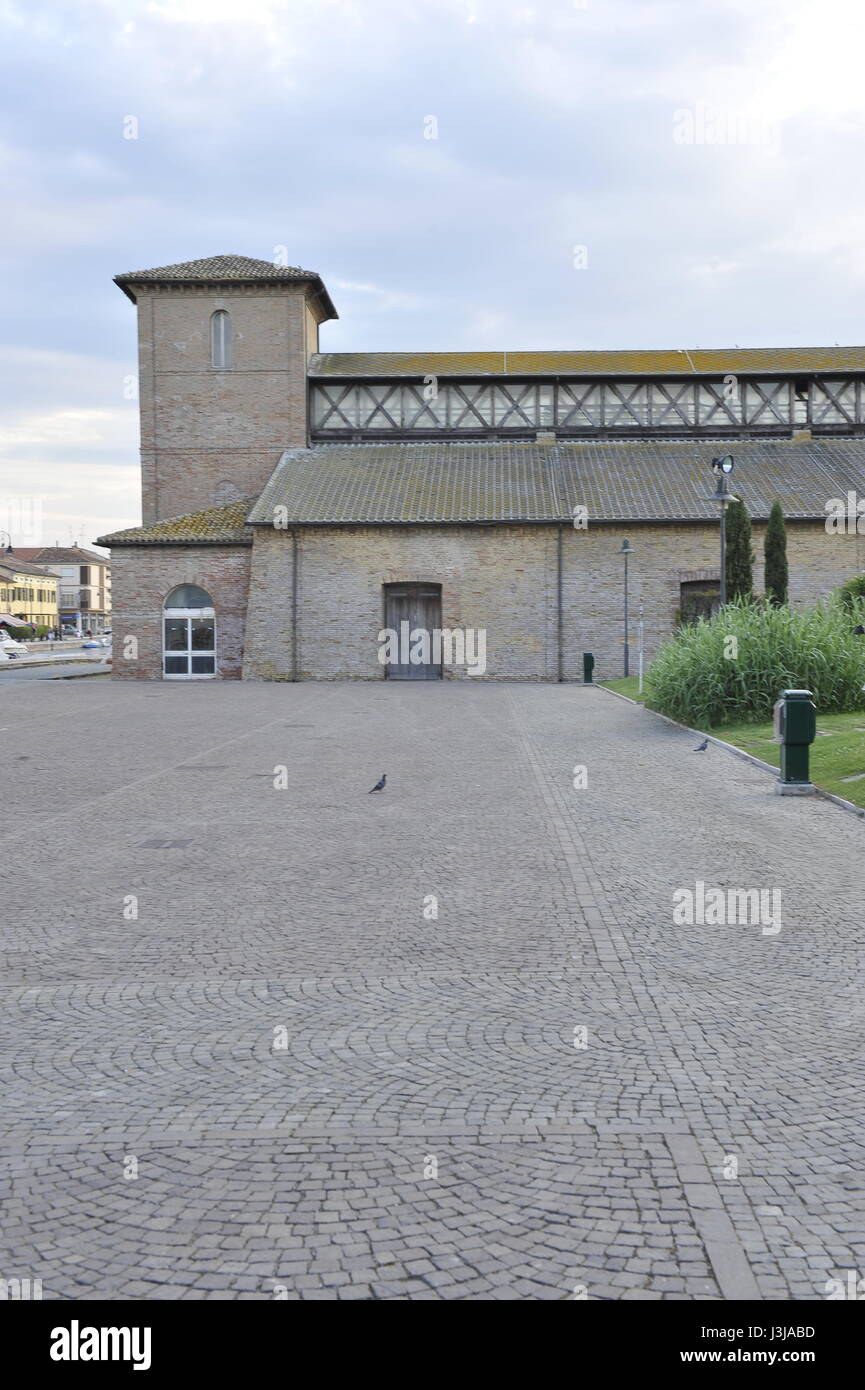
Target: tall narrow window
(220,339)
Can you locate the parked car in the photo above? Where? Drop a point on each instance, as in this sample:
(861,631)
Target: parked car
(12,649)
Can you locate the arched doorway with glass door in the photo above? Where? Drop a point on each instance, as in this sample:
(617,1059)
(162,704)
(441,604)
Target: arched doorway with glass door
(188,635)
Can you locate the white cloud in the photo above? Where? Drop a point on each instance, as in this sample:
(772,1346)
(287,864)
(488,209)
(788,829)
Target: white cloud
(68,428)
(300,123)
(80,503)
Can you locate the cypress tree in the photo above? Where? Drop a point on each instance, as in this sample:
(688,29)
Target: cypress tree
(775,551)
(740,557)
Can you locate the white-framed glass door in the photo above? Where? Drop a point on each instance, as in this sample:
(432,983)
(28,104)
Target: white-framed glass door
(188,644)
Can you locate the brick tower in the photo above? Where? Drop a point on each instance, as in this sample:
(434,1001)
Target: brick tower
(223,347)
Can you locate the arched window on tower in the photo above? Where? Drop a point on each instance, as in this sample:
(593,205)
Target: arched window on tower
(220,339)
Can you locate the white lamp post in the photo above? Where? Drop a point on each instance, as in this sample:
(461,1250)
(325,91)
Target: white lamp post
(626,551)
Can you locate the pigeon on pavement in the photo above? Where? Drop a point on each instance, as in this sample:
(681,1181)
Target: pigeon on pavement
(701,747)
(379,786)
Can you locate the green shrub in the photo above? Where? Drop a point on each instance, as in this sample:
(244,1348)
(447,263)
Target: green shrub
(850,591)
(21,634)
(692,680)
(775,552)
(740,556)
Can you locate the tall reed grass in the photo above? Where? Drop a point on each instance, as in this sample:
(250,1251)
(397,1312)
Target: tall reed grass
(696,680)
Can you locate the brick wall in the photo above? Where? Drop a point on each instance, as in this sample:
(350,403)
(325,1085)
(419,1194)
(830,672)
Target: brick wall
(662,559)
(502,579)
(205,432)
(142,578)
(498,578)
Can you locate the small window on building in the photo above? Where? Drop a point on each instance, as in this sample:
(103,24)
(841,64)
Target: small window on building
(220,339)
(699,599)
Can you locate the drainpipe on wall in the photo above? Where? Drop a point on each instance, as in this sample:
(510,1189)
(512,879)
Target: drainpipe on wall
(294,570)
(559,602)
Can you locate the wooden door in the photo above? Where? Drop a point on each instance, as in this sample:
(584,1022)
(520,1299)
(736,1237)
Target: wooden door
(411,608)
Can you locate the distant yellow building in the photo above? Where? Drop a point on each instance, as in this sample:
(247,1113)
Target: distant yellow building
(84,590)
(27,592)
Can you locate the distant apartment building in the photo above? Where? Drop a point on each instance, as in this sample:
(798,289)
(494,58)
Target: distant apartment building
(84,584)
(28,593)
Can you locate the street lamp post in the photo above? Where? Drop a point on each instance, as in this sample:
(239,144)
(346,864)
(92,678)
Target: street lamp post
(722,468)
(626,551)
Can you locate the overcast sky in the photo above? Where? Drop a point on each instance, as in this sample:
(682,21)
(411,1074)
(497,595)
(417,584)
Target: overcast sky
(606,173)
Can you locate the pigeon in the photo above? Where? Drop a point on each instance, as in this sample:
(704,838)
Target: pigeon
(379,786)
(701,747)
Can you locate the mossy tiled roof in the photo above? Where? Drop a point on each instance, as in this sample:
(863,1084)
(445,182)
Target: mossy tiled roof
(649,362)
(453,484)
(230,269)
(214,526)
(646,480)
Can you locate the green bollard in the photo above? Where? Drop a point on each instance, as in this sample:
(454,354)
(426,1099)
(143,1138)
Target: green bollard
(588,667)
(795,730)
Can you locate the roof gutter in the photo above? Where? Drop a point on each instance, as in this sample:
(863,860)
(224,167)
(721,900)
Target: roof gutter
(125,283)
(326,522)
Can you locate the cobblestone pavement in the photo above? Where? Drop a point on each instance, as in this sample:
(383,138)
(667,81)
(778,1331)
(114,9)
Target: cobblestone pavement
(326,1093)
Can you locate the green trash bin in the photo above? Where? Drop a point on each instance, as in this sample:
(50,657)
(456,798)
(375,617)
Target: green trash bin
(795,730)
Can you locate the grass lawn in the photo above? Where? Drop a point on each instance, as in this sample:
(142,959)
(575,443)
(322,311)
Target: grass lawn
(626,685)
(837,752)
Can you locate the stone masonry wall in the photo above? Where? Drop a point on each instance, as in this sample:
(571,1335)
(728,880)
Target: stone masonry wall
(663,558)
(142,578)
(502,579)
(498,578)
(207,435)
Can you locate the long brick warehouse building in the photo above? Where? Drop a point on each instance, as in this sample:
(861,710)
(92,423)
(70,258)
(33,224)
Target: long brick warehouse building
(297,504)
